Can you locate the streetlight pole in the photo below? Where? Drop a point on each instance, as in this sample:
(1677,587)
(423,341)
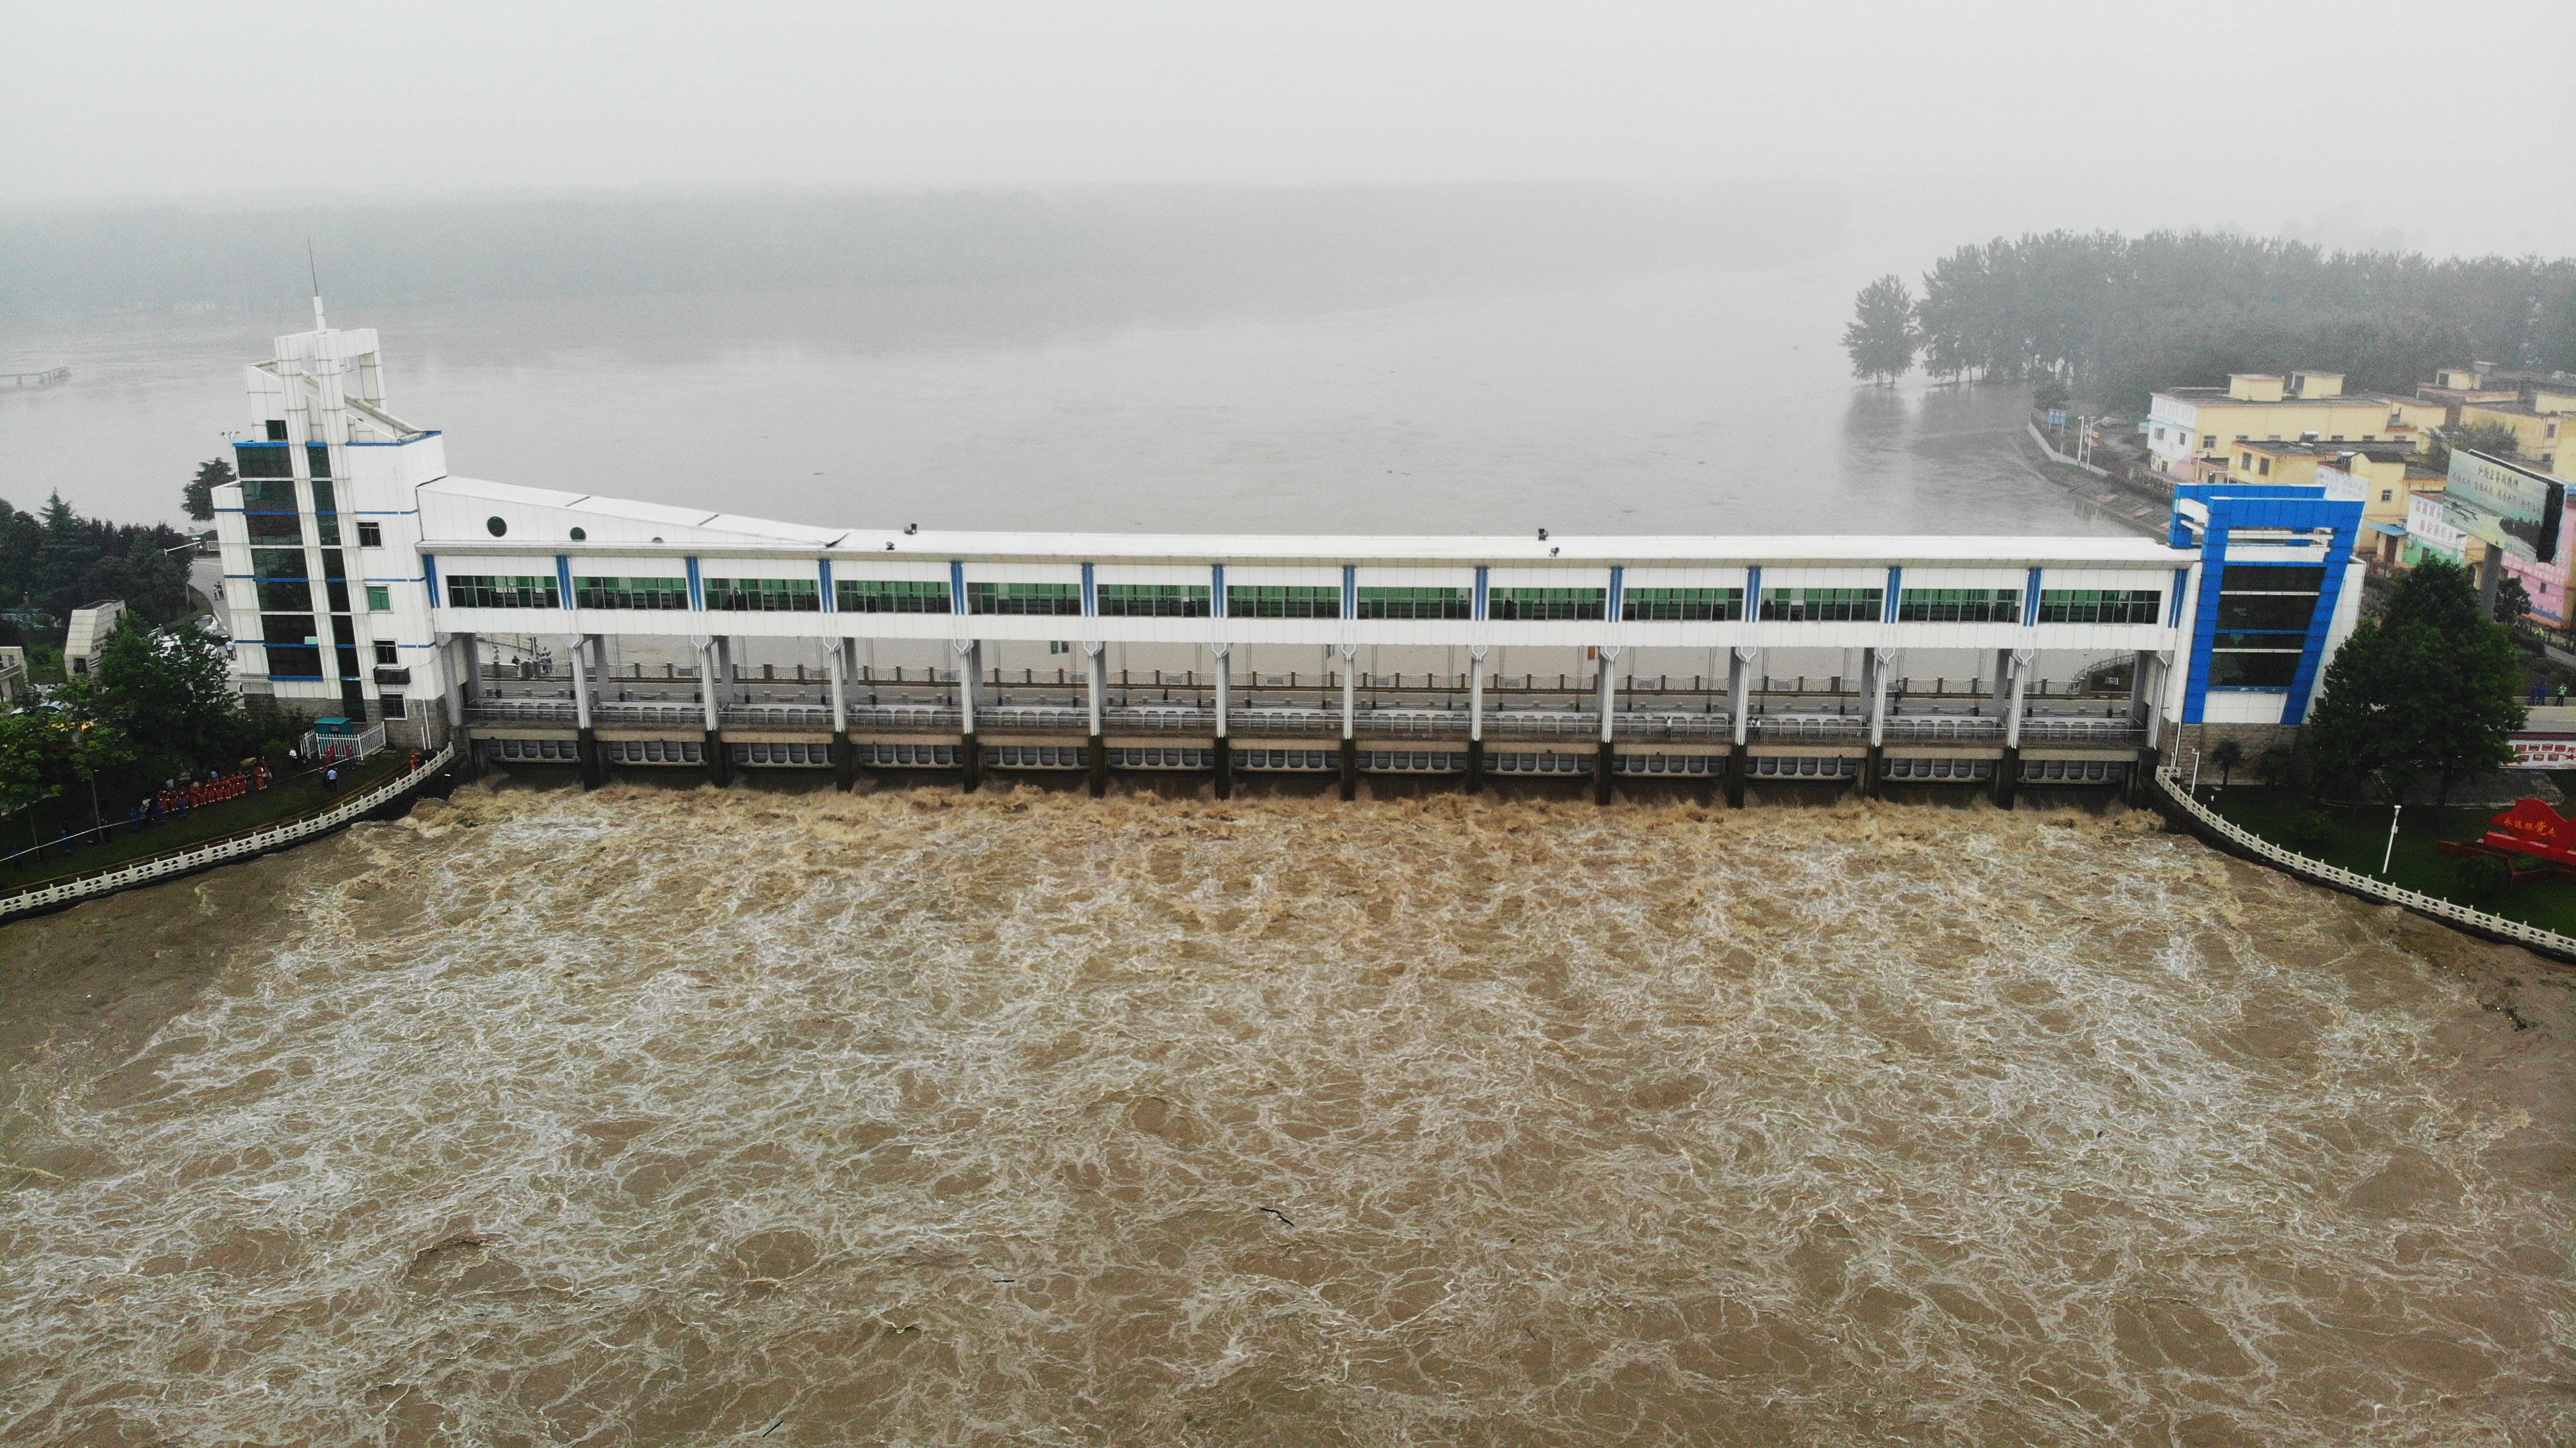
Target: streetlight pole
(2390,853)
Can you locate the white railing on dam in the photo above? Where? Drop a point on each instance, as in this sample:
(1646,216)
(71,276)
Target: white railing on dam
(238,847)
(2367,886)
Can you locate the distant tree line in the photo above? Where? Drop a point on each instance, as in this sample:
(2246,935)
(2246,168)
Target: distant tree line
(54,561)
(2118,317)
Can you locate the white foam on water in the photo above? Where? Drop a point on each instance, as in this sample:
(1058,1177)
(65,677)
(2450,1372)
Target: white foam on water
(642,1117)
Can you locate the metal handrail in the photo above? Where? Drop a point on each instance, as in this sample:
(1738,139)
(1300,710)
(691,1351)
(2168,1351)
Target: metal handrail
(906,718)
(2168,777)
(1299,722)
(1809,726)
(1543,723)
(231,847)
(777,716)
(520,711)
(1672,724)
(1176,719)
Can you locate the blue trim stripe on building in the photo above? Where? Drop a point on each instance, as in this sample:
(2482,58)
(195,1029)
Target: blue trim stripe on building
(2312,660)
(2182,588)
(697,589)
(1216,590)
(957,585)
(1895,591)
(1484,588)
(1350,590)
(831,601)
(1090,593)
(429,574)
(2030,601)
(1618,593)
(563,577)
(1753,593)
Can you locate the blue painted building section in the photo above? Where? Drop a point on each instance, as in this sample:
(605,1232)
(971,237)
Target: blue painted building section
(2294,519)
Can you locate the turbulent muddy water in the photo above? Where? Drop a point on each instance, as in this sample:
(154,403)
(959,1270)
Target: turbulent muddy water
(651,1117)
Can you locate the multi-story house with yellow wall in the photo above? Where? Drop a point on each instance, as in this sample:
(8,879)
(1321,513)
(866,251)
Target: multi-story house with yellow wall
(2539,436)
(2187,423)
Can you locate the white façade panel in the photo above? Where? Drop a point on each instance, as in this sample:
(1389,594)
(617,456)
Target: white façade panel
(2243,706)
(1162,573)
(889,569)
(1414,577)
(1577,575)
(1823,578)
(512,564)
(631,565)
(2160,579)
(1238,575)
(720,567)
(1660,575)
(2015,579)
(1023,573)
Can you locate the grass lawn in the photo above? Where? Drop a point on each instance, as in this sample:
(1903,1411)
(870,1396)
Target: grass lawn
(2361,835)
(288,799)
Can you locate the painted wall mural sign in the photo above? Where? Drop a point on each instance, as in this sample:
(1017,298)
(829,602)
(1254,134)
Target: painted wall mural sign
(2554,751)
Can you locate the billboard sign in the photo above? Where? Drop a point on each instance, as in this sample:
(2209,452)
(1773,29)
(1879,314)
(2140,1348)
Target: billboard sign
(2057,417)
(2513,508)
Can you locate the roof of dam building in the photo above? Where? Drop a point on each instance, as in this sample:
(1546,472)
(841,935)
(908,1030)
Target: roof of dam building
(541,518)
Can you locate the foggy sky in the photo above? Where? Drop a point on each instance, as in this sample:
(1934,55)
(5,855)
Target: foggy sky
(2341,121)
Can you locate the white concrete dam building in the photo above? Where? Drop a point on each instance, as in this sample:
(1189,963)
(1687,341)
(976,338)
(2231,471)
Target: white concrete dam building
(361,576)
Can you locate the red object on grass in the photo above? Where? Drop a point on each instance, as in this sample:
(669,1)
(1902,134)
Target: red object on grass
(2532,828)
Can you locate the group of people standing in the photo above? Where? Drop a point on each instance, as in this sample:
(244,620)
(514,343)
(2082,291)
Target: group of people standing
(180,798)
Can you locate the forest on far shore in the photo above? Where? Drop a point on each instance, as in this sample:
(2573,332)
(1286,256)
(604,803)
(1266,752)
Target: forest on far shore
(2118,317)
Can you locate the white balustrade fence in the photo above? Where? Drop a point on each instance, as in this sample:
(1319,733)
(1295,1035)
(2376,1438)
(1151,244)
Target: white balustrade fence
(258,842)
(2366,886)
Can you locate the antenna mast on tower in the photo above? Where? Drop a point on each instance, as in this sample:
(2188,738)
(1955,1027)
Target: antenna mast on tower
(315,272)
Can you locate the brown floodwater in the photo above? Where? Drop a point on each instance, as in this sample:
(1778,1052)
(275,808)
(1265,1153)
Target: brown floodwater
(661,1116)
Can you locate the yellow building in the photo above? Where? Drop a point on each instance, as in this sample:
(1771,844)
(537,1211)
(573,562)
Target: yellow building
(2538,436)
(2254,407)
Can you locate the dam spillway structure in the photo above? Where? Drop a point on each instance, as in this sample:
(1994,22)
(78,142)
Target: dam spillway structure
(363,581)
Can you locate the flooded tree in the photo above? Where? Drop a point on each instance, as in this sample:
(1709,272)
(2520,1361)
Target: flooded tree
(1881,337)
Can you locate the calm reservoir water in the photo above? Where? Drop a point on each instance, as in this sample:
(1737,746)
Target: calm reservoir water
(1706,402)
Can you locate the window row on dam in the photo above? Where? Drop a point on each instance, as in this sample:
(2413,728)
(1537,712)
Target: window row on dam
(2002,605)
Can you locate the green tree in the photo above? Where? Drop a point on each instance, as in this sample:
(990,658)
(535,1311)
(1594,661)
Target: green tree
(199,493)
(168,693)
(2512,601)
(1881,338)
(2492,438)
(2427,690)
(35,760)
(2227,754)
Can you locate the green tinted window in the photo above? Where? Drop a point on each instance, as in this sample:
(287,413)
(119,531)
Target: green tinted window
(889,595)
(1024,598)
(1283,600)
(277,563)
(644,593)
(1417,603)
(2101,605)
(1959,605)
(252,460)
(1824,605)
(1153,600)
(765,595)
(380,598)
(1545,603)
(1669,605)
(466,590)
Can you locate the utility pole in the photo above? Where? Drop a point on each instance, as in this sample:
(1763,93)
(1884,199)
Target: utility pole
(2390,853)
